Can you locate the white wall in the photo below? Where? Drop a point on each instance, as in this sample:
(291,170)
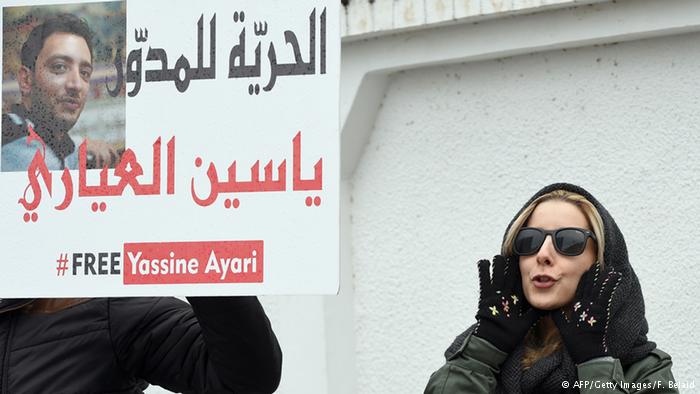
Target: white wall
(367,18)
(456,150)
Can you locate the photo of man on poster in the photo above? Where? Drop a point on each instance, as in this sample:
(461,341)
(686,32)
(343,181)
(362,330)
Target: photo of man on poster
(54,86)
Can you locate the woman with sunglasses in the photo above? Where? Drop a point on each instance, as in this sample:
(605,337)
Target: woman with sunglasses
(560,311)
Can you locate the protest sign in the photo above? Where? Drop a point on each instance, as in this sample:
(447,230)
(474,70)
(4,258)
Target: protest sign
(187,148)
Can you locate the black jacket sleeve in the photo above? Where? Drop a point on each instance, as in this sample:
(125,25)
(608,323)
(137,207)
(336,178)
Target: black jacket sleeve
(216,345)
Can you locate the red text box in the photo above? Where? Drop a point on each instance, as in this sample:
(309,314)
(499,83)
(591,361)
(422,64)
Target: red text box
(154,263)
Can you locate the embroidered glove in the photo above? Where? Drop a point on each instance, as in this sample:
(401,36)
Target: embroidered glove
(583,326)
(504,316)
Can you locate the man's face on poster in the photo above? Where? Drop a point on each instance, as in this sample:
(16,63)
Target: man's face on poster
(61,80)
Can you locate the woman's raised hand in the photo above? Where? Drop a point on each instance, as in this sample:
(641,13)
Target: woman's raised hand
(583,325)
(504,316)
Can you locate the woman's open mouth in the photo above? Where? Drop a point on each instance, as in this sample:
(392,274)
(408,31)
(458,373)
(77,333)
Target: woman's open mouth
(543,281)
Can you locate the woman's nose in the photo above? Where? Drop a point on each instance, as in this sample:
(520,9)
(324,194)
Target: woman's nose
(546,253)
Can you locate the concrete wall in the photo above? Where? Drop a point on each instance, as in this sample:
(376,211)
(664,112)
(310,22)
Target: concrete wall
(366,18)
(456,150)
(437,159)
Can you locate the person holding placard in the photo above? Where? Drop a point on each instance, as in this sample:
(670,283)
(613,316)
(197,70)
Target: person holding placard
(120,345)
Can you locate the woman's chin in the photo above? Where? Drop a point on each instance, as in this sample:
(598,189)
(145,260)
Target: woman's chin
(546,304)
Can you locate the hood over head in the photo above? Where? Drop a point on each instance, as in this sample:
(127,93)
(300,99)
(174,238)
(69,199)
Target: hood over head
(628,326)
(627,329)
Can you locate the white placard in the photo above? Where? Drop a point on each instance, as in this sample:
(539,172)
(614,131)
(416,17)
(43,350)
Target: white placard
(229,166)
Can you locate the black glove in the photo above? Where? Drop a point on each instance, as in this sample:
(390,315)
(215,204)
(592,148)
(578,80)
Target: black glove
(504,316)
(583,325)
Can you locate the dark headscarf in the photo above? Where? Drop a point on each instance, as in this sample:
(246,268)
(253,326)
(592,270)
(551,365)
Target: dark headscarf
(627,328)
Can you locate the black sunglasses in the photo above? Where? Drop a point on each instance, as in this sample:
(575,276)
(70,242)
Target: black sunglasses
(569,241)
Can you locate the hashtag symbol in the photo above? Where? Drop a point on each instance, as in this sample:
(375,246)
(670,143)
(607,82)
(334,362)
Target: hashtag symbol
(62,264)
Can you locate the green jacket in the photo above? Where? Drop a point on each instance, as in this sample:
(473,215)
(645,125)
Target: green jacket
(475,367)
